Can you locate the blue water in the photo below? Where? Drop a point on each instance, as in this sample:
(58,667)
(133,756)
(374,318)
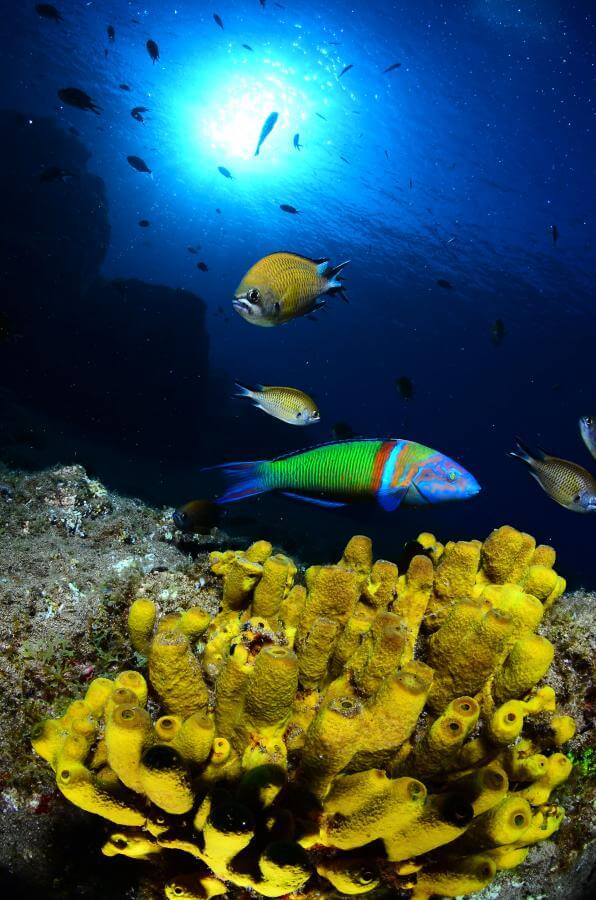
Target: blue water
(456,166)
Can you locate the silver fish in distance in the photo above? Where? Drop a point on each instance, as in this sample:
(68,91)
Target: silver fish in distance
(587,428)
(268,126)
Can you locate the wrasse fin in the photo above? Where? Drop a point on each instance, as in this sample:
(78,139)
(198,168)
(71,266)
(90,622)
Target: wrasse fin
(318,501)
(247,480)
(390,500)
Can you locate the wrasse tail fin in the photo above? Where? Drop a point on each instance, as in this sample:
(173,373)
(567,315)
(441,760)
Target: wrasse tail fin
(318,501)
(246,477)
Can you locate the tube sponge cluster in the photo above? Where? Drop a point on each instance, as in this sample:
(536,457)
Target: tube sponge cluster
(358,729)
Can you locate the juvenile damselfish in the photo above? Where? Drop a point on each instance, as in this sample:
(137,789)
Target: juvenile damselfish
(284,286)
(565,482)
(285,403)
(391,472)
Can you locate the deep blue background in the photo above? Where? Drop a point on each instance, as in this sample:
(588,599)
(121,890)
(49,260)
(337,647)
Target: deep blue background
(456,166)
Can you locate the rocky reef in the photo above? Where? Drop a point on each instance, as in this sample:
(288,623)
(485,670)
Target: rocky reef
(341,730)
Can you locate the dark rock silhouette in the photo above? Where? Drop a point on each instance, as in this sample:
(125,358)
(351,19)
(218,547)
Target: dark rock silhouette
(119,362)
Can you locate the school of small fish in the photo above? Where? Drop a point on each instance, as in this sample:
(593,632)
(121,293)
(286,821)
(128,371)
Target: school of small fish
(283,286)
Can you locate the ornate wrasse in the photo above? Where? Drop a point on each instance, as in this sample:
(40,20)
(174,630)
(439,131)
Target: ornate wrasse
(392,472)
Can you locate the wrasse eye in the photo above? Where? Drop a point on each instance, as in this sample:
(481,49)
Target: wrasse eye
(316,414)
(253,295)
(452,475)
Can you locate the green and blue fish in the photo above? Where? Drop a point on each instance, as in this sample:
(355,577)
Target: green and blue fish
(392,472)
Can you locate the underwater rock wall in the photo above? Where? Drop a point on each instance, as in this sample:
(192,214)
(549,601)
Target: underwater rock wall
(268,678)
(76,344)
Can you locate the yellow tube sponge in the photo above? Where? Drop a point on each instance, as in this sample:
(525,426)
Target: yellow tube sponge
(484,787)
(81,787)
(381,588)
(456,571)
(176,675)
(133,845)
(443,818)
(434,548)
(506,554)
(358,555)
(134,682)
(193,622)
(366,806)
(228,829)
(165,780)
(349,875)
(503,824)
(455,877)
(284,868)
(525,610)
(392,714)
(526,663)
(271,690)
(275,583)
(193,887)
(97,695)
(366,728)
(557,770)
(562,728)
(441,742)
(141,621)
(315,650)
(128,732)
(413,597)
(379,654)
(474,653)
(331,741)
(194,739)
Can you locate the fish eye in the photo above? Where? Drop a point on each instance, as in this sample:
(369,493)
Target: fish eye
(253,295)
(316,414)
(299,415)
(452,475)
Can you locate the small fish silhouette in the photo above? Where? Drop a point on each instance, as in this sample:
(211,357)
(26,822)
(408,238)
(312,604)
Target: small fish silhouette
(218,20)
(345,69)
(77,97)
(289,209)
(152,50)
(139,164)
(225,172)
(136,113)
(391,67)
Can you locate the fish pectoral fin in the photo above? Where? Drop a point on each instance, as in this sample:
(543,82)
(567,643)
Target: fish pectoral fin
(390,500)
(318,501)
